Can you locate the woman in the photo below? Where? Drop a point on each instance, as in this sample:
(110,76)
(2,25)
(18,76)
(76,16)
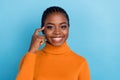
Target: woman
(56,61)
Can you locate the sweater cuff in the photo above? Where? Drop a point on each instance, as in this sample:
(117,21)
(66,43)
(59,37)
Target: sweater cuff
(27,67)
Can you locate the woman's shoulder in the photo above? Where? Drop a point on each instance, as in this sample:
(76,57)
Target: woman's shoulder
(78,57)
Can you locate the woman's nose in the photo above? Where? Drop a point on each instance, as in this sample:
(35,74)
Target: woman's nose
(57,31)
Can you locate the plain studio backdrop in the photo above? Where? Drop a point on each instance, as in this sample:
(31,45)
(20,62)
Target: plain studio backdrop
(94,33)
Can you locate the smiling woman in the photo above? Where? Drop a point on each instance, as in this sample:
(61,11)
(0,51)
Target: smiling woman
(56,61)
(56,29)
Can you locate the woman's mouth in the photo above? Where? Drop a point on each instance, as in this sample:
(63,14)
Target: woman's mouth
(59,39)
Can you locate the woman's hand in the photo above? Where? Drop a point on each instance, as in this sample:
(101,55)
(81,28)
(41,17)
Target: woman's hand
(37,40)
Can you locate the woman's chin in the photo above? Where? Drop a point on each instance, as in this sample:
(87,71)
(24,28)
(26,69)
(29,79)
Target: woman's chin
(56,43)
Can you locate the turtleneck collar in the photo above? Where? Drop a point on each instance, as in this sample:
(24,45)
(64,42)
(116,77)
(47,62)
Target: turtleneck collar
(56,50)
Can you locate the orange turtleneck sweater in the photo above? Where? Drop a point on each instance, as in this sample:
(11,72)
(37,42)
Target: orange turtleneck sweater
(53,63)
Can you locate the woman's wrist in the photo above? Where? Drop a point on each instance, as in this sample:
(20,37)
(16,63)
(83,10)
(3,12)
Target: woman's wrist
(31,50)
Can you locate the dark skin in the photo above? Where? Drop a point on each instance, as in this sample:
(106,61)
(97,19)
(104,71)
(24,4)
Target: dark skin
(56,32)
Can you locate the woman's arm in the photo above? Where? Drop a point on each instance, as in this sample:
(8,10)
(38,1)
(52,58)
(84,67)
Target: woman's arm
(26,71)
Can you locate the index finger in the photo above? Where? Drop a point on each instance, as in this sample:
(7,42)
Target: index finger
(38,30)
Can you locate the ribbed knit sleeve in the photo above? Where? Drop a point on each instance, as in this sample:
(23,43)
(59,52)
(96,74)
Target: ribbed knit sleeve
(84,71)
(26,71)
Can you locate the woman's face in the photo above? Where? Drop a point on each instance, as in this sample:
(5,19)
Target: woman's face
(56,29)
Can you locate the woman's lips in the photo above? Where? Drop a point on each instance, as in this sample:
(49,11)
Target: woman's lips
(57,39)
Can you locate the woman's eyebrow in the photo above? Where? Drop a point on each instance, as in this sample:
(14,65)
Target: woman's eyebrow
(49,24)
(54,24)
(63,23)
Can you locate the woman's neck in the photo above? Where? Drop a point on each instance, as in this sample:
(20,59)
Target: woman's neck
(56,50)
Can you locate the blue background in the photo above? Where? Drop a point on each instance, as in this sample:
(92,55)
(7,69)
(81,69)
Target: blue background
(94,33)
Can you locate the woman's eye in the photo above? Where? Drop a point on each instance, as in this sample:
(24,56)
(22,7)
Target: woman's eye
(63,27)
(50,27)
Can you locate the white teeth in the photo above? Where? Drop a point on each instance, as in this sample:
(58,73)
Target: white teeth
(56,39)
